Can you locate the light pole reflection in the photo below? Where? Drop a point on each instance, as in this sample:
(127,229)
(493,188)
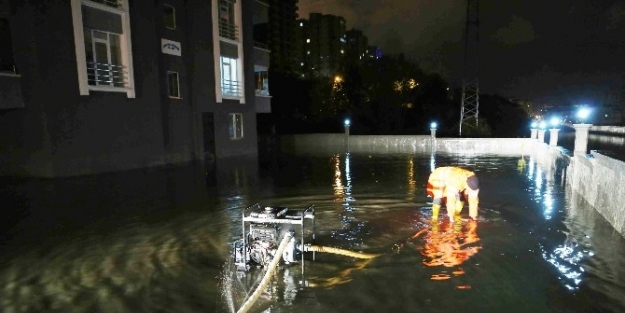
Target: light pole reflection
(412,183)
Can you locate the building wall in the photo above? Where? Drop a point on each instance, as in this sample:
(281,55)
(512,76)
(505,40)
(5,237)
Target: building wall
(61,133)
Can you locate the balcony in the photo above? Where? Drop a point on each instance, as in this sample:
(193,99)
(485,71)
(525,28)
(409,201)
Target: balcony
(228,31)
(231,88)
(262,101)
(110,3)
(261,55)
(101,74)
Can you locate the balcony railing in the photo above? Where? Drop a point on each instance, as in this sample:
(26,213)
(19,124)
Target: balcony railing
(230,88)
(110,3)
(100,74)
(228,30)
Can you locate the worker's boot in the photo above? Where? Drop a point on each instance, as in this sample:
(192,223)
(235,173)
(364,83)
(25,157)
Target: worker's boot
(459,206)
(436,208)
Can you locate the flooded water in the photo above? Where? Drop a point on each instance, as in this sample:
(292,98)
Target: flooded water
(160,240)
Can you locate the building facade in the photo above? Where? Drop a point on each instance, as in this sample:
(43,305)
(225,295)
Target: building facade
(109,85)
(322,44)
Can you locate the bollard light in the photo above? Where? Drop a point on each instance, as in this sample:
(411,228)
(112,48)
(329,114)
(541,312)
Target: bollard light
(534,125)
(555,122)
(583,114)
(347,122)
(542,125)
(433,126)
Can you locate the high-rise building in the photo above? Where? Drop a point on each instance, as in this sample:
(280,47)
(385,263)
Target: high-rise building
(322,44)
(277,32)
(357,45)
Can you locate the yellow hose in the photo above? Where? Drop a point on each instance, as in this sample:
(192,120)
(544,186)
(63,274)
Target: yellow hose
(270,270)
(340,251)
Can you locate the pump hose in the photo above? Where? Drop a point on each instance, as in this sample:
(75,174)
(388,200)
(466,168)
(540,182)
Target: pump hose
(359,255)
(271,268)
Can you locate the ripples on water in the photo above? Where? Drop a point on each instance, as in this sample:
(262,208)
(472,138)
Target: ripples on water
(537,247)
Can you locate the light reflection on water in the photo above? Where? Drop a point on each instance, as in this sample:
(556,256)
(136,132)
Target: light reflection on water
(538,248)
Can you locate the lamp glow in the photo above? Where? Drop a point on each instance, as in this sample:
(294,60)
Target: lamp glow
(347,122)
(534,125)
(583,113)
(542,125)
(555,122)
(433,125)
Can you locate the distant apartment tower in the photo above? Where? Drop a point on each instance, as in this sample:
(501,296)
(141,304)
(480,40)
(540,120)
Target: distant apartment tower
(322,44)
(277,33)
(357,45)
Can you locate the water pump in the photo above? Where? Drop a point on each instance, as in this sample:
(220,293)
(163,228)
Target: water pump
(264,228)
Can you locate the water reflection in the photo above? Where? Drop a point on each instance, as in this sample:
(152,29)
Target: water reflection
(449,245)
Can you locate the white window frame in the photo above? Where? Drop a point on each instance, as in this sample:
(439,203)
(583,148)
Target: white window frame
(124,42)
(174,12)
(177,96)
(217,52)
(233,134)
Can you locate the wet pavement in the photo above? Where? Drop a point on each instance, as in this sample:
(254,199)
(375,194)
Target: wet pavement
(159,240)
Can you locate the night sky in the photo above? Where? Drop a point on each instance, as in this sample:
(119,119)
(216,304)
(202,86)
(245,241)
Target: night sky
(548,51)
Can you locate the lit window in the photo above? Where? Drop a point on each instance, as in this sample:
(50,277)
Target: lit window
(169,16)
(103,46)
(173,85)
(7,63)
(262,82)
(235,127)
(230,85)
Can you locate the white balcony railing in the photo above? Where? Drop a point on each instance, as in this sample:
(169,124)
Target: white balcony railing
(230,88)
(111,3)
(100,74)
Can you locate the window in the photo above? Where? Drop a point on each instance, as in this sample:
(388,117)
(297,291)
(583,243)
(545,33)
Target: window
(169,16)
(103,49)
(235,130)
(7,63)
(230,86)
(262,82)
(173,85)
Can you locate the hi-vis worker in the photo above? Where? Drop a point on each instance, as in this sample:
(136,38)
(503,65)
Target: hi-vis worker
(455,184)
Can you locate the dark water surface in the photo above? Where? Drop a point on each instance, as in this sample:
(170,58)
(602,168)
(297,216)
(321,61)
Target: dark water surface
(160,240)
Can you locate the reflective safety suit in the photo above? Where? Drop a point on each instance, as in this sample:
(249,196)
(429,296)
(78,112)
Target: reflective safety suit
(455,184)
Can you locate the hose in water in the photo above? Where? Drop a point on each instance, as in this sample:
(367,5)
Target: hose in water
(340,251)
(271,268)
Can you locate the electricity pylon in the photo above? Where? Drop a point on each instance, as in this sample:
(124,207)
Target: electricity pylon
(470,106)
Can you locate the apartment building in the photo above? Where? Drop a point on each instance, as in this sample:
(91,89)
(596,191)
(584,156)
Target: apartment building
(92,86)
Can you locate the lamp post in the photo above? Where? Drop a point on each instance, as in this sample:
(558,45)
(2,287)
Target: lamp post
(541,131)
(346,123)
(581,132)
(553,132)
(433,126)
(534,130)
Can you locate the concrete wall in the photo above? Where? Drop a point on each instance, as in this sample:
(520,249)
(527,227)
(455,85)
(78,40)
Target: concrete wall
(599,179)
(405,144)
(608,130)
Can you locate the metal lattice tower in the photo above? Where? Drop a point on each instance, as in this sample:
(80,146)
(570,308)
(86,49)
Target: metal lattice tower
(469,109)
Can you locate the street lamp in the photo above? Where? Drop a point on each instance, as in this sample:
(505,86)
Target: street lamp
(533,129)
(541,131)
(346,123)
(583,114)
(433,126)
